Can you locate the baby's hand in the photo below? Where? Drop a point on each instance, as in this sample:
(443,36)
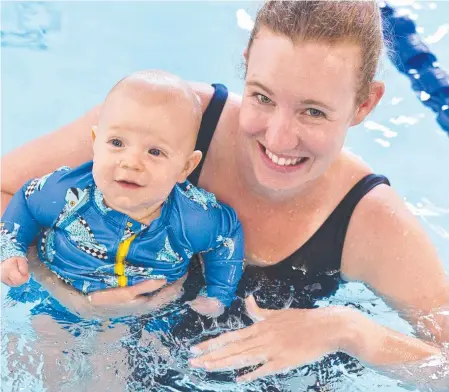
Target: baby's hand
(207,306)
(15,271)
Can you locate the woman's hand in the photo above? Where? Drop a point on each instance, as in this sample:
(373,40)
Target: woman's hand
(280,340)
(123,301)
(116,302)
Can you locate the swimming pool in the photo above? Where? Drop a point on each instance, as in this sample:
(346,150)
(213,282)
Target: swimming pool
(60,59)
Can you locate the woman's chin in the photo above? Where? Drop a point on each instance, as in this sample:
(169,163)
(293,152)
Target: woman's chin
(276,186)
(278,182)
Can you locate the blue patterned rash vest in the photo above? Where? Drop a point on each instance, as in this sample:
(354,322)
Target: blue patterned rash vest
(93,247)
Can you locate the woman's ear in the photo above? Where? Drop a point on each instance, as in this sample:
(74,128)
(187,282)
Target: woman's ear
(192,162)
(377,90)
(245,55)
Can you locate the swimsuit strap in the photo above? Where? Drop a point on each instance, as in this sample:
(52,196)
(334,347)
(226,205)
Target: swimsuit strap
(209,122)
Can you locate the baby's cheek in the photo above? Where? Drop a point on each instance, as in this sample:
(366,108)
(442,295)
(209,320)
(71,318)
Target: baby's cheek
(101,174)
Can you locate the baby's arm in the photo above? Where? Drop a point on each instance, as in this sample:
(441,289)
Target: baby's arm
(223,257)
(30,209)
(223,266)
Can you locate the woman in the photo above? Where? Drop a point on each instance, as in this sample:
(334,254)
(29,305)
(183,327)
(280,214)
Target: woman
(312,212)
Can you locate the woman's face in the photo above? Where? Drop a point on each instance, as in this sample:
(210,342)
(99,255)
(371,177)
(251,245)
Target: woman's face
(298,103)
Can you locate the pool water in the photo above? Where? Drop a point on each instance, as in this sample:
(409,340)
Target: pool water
(60,58)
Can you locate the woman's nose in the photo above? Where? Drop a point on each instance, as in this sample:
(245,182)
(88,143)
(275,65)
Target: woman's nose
(281,134)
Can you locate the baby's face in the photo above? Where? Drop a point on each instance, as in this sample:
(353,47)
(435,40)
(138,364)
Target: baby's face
(141,149)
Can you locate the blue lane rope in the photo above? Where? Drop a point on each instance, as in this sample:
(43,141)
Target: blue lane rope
(412,57)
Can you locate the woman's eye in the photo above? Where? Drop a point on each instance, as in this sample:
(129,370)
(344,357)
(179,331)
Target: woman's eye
(155,152)
(315,113)
(263,99)
(116,143)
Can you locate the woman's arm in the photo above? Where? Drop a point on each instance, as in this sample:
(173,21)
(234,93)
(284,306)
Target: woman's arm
(70,145)
(107,303)
(387,249)
(281,340)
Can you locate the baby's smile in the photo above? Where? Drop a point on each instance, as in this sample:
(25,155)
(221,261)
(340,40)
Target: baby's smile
(128,184)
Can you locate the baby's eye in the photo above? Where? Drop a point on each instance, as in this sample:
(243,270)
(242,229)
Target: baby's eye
(315,113)
(116,142)
(263,99)
(155,152)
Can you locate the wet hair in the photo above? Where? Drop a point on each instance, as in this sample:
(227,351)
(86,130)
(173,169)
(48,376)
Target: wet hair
(331,22)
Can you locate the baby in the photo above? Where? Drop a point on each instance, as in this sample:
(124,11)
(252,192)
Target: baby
(130,214)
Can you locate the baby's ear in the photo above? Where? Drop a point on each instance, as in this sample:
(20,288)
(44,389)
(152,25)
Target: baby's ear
(191,164)
(93,129)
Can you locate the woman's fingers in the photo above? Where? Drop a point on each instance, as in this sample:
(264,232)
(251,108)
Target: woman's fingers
(168,294)
(130,300)
(115,297)
(235,355)
(222,340)
(239,360)
(148,304)
(148,286)
(265,370)
(119,296)
(254,311)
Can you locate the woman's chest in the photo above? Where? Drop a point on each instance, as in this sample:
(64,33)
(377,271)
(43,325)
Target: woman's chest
(272,232)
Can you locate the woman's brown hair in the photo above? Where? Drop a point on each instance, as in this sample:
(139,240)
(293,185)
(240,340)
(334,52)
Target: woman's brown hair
(331,22)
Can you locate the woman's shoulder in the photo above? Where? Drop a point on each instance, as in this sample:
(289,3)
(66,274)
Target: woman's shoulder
(387,248)
(205,91)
